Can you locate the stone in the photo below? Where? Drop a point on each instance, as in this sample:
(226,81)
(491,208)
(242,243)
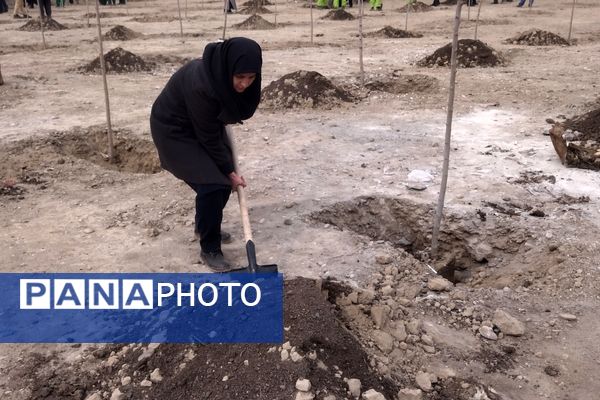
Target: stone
(366,296)
(304,396)
(568,317)
(380,314)
(399,331)
(95,396)
(330,397)
(353,297)
(146,383)
(414,326)
(383,259)
(303,385)
(423,381)
(488,333)
(117,395)
(126,380)
(508,324)
(155,376)
(285,355)
(439,284)
(480,251)
(354,387)
(286,346)
(372,394)
(425,339)
(410,394)
(384,341)
(388,291)
(295,356)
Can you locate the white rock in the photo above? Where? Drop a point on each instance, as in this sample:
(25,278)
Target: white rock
(488,333)
(286,346)
(372,394)
(126,380)
(93,396)
(568,317)
(155,376)
(379,314)
(383,259)
(354,387)
(285,355)
(399,331)
(330,397)
(117,395)
(439,284)
(419,175)
(508,324)
(304,396)
(410,394)
(146,383)
(303,385)
(295,356)
(423,381)
(383,340)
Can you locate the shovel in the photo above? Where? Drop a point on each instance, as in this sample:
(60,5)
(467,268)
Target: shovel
(253,266)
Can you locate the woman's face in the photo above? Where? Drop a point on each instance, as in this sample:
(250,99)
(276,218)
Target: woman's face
(242,81)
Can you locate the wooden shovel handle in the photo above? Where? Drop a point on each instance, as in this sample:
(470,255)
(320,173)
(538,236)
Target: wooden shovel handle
(240,190)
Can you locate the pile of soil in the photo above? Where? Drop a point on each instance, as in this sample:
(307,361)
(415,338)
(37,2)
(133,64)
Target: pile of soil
(418,6)
(537,37)
(391,32)
(118,61)
(471,53)
(307,89)
(253,10)
(338,15)
(255,22)
(325,352)
(121,32)
(253,3)
(404,84)
(33,25)
(154,18)
(577,140)
(105,15)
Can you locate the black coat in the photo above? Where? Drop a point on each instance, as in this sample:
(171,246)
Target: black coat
(190,139)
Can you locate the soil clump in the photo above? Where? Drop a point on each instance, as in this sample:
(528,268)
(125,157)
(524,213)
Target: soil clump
(121,32)
(339,15)
(254,3)
(418,6)
(404,84)
(395,33)
(577,140)
(303,89)
(255,22)
(471,53)
(253,10)
(538,37)
(49,25)
(118,61)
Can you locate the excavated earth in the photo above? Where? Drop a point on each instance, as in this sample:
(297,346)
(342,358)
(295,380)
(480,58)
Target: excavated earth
(391,32)
(417,6)
(339,15)
(255,22)
(33,25)
(577,140)
(118,61)
(537,37)
(254,10)
(121,32)
(471,53)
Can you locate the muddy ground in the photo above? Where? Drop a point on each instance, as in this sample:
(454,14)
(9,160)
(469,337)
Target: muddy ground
(343,196)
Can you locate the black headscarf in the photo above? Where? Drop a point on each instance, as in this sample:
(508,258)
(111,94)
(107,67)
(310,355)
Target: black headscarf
(224,59)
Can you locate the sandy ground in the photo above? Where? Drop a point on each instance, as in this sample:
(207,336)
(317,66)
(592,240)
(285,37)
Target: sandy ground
(85,217)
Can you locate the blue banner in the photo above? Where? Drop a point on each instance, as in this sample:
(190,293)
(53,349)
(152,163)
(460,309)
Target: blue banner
(141,308)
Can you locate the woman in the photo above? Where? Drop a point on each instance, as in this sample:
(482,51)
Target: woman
(188,128)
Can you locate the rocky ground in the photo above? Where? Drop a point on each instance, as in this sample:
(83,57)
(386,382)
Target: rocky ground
(342,197)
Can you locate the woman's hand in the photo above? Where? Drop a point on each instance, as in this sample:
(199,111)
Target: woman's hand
(236,180)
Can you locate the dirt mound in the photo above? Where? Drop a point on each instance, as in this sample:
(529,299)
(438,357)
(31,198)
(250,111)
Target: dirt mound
(303,89)
(105,15)
(253,3)
(338,15)
(49,25)
(255,22)
(471,53)
(118,61)
(537,37)
(404,84)
(418,6)
(324,352)
(577,140)
(121,32)
(391,32)
(254,10)
(153,18)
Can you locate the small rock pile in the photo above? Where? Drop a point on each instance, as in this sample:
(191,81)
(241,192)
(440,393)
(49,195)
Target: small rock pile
(395,33)
(471,53)
(577,140)
(49,25)
(338,15)
(538,37)
(308,89)
(120,32)
(118,61)
(255,22)
(417,6)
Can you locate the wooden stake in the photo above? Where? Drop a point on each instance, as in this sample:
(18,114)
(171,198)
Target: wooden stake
(571,23)
(477,20)
(180,21)
(311,21)
(42,25)
(453,66)
(225,4)
(360,41)
(408,6)
(111,152)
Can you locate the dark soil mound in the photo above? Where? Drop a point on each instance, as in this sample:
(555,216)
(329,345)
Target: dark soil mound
(154,18)
(338,15)
(537,37)
(105,15)
(255,22)
(119,61)
(253,3)
(471,53)
(391,32)
(404,84)
(121,32)
(418,6)
(307,89)
(253,10)
(49,25)
(328,353)
(577,140)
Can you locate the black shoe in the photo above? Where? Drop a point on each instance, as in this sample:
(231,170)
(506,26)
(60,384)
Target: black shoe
(225,237)
(215,261)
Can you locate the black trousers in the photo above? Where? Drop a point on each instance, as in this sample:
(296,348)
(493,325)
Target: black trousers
(46,8)
(210,202)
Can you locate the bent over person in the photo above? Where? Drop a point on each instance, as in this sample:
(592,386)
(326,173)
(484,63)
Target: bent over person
(188,128)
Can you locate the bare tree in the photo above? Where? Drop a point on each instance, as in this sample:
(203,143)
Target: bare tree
(477,19)
(312,23)
(180,21)
(571,23)
(42,25)
(361,42)
(225,4)
(408,7)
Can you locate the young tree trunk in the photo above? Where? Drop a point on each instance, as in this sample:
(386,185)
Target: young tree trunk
(477,20)
(275,9)
(87,6)
(42,25)
(408,5)
(361,42)
(440,205)
(111,152)
(571,23)
(225,4)
(180,21)
(312,28)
